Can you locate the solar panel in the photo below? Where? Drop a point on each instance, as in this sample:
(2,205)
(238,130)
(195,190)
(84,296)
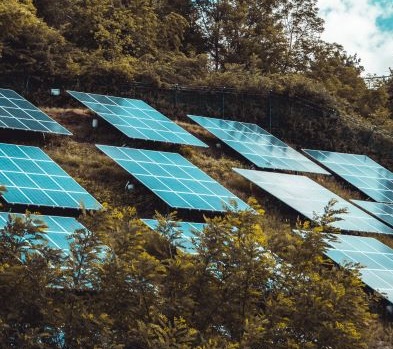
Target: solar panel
(362,172)
(187,230)
(257,145)
(32,178)
(58,229)
(136,119)
(174,179)
(375,258)
(379,209)
(19,114)
(306,196)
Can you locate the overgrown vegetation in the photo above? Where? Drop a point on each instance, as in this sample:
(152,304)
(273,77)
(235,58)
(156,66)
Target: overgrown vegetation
(248,287)
(246,45)
(253,283)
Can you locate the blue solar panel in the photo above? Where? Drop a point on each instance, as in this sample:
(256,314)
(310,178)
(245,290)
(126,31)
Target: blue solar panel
(375,258)
(308,197)
(187,230)
(19,114)
(32,178)
(362,172)
(136,119)
(379,209)
(58,229)
(174,179)
(257,145)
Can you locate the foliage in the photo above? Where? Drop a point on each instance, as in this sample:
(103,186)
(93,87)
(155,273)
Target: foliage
(29,48)
(389,87)
(27,268)
(245,288)
(253,283)
(240,44)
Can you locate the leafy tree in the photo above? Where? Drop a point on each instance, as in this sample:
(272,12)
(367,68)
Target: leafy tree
(280,35)
(193,42)
(302,28)
(30,50)
(27,267)
(210,19)
(249,286)
(318,305)
(117,28)
(240,32)
(84,324)
(389,87)
(129,278)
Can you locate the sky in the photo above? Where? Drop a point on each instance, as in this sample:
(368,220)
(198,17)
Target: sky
(364,27)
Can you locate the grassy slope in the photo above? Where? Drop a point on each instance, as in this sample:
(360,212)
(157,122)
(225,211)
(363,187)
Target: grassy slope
(106,180)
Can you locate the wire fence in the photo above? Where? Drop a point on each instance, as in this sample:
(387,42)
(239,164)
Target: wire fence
(267,108)
(297,120)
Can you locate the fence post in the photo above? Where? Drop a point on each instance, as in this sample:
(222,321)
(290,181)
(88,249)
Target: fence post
(269,104)
(176,87)
(223,102)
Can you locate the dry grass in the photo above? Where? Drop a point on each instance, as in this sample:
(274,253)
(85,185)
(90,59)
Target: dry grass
(338,186)
(92,169)
(105,180)
(197,130)
(218,167)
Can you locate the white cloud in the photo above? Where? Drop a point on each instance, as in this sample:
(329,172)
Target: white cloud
(353,24)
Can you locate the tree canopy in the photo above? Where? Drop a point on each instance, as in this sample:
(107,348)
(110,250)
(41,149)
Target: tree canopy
(124,286)
(117,41)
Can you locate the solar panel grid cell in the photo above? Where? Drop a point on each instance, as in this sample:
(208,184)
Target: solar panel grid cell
(174,179)
(309,198)
(381,210)
(257,145)
(136,119)
(32,178)
(359,170)
(58,231)
(17,113)
(374,257)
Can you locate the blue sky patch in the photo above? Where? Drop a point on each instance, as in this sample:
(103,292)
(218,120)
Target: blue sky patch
(385,23)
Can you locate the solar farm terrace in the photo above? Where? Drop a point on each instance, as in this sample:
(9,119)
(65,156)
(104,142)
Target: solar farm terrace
(136,119)
(257,145)
(174,179)
(309,198)
(19,114)
(359,170)
(31,177)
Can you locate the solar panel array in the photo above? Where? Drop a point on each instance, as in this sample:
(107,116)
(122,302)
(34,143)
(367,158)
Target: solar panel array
(19,114)
(359,170)
(32,178)
(375,258)
(379,209)
(58,231)
(308,197)
(257,145)
(174,179)
(187,230)
(136,119)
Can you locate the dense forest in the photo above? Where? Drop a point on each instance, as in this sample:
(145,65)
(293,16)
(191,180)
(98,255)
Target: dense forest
(254,282)
(253,45)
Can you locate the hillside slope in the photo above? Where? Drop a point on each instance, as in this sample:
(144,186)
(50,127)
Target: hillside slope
(107,181)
